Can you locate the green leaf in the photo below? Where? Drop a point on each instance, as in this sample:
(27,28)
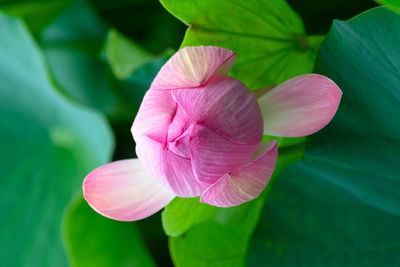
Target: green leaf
(76,24)
(144,21)
(71,45)
(394,4)
(204,235)
(124,55)
(135,86)
(132,90)
(182,213)
(93,240)
(215,242)
(268,36)
(340,205)
(35,13)
(48,146)
(318,17)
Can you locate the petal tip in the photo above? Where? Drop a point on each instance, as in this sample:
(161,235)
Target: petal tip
(300,106)
(123,191)
(245,183)
(193,66)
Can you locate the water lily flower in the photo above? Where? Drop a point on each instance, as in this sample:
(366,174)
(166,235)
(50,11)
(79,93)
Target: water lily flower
(198,132)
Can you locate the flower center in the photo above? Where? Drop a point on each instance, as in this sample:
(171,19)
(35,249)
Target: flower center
(179,133)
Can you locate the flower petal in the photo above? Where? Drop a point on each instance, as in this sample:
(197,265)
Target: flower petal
(123,190)
(245,183)
(300,106)
(226,106)
(179,124)
(154,115)
(213,154)
(170,169)
(193,66)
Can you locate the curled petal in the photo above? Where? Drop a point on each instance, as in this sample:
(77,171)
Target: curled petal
(179,124)
(245,183)
(213,154)
(193,66)
(154,116)
(124,191)
(170,169)
(225,105)
(300,106)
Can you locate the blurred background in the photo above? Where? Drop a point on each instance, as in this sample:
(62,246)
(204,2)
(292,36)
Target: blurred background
(72,76)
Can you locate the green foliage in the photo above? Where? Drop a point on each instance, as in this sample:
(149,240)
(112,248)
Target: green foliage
(268,36)
(204,235)
(35,13)
(136,85)
(318,15)
(97,66)
(395,4)
(144,21)
(48,145)
(93,240)
(339,206)
(71,45)
(78,23)
(182,213)
(134,67)
(124,55)
(221,241)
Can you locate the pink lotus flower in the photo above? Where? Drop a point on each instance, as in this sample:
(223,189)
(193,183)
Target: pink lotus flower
(198,133)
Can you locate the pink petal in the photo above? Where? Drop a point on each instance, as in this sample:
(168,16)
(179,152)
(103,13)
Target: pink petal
(123,190)
(179,124)
(300,106)
(213,154)
(245,183)
(226,106)
(172,170)
(193,66)
(154,115)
